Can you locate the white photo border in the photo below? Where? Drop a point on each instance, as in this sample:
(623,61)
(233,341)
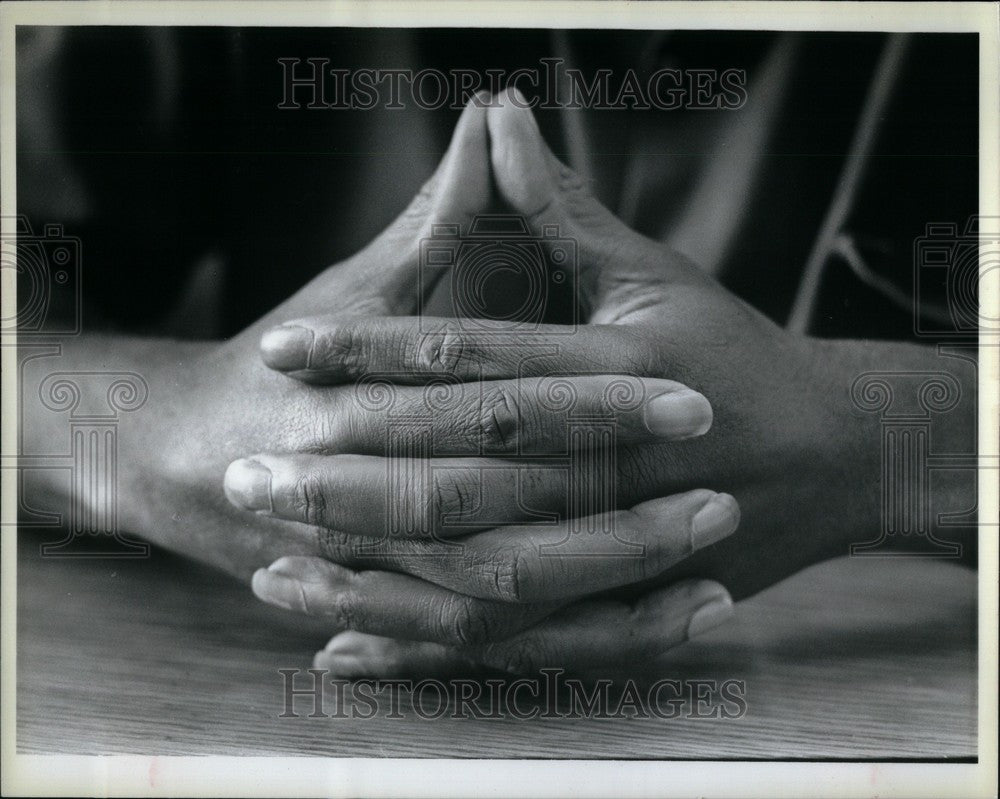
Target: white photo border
(310,776)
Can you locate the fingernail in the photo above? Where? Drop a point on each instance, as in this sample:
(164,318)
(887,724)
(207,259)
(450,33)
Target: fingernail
(248,484)
(679,414)
(345,667)
(517,99)
(481,99)
(287,567)
(278,589)
(718,517)
(712,614)
(287,347)
(350,643)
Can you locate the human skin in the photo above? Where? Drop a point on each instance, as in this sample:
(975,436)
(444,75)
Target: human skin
(211,403)
(787,441)
(781,408)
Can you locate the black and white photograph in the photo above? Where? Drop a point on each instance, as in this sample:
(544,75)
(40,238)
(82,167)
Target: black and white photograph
(549,399)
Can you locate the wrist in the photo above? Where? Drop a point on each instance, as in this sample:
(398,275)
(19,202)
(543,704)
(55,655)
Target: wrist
(148,435)
(88,428)
(892,408)
(850,443)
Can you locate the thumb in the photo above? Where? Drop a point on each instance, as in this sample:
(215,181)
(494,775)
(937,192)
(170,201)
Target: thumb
(461,186)
(620,273)
(529,177)
(384,277)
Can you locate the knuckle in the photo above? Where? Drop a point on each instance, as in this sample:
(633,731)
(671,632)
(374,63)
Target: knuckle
(444,350)
(572,195)
(335,545)
(639,355)
(345,611)
(641,635)
(500,419)
(570,182)
(516,657)
(509,575)
(309,499)
(465,622)
(364,552)
(338,345)
(455,497)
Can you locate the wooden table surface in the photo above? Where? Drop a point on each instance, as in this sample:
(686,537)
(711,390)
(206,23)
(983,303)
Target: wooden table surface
(853,659)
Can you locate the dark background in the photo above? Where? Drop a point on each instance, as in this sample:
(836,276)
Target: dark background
(157,146)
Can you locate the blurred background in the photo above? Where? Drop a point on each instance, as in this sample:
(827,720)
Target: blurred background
(200,204)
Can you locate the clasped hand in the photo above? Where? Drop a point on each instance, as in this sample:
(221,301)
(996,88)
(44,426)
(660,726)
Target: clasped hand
(413,469)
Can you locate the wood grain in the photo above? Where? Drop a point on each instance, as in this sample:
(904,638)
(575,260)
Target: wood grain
(853,659)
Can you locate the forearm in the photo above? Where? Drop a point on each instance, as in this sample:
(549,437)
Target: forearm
(910,420)
(60,388)
(160,492)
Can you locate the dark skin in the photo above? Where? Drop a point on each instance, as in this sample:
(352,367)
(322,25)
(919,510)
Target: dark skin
(212,403)
(786,441)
